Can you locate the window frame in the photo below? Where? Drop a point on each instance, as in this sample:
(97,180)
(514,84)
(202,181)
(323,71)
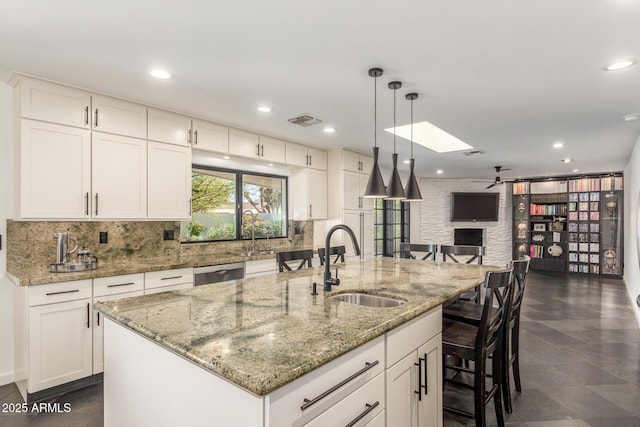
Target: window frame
(239,201)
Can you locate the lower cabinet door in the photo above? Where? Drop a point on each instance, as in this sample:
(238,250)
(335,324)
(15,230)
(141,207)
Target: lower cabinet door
(430,405)
(98,329)
(59,344)
(402,400)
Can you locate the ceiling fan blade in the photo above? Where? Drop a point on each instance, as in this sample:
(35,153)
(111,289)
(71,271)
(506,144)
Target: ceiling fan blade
(490,186)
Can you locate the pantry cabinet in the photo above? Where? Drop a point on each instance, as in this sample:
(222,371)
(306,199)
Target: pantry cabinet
(169,181)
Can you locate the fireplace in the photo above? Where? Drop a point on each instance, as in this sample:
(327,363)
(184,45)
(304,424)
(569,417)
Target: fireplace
(467,236)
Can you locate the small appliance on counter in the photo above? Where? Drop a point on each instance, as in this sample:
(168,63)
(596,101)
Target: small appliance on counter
(64,264)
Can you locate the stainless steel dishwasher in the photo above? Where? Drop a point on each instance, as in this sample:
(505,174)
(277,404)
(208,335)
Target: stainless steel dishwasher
(218,273)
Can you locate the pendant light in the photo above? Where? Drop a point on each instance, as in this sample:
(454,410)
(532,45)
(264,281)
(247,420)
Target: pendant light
(394,189)
(375,186)
(412,191)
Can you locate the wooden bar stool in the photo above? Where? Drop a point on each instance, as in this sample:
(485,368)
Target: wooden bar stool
(475,253)
(304,256)
(338,251)
(428,250)
(472,345)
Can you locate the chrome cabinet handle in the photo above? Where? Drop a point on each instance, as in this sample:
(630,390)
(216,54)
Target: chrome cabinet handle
(258,150)
(172,277)
(368,408)
(420,377)
(310,211)
(308,402)
(88,316)
(262,150)
(96,212)
(306,162)
(95,121)
(86,204)
(98,318)
(195,137)
(63,292)
(189,136)
(86,115)
(309,159)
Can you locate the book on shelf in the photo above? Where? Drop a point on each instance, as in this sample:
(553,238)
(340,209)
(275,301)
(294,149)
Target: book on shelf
(611,183)
(557,209)
(536,251)
(520,187)
(584,184)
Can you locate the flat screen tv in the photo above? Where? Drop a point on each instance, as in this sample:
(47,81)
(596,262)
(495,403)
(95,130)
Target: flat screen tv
(474,206)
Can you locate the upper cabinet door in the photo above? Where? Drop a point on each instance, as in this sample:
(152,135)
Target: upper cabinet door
(317,159)
(210,137)
(119,176)
(243,143)
(120,117)
(271,149)
(296,155)
(55,171)
(169,181)
(169,127)
(351,161)
(366,164)
(52,103)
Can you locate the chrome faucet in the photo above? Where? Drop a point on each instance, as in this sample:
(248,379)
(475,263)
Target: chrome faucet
(252,248)
(328,280)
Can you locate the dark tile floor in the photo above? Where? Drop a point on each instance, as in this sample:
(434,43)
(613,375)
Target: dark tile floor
(580,356)
(580,363)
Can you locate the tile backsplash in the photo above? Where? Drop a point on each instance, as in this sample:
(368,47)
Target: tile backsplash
(32,242)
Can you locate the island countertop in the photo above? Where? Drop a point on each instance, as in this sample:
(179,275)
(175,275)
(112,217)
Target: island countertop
(265,332)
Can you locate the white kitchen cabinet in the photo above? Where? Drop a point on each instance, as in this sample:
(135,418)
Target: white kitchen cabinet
(98,325)
(210,136)
(301,155)
(271,149)
(55,172)
(308,193)
(245,144)
(59,348)
(168,181)
(54,103)
(356,162)
(351,196)
(120,117)
(414,383)
(119,177)
(178,278)
(172,128)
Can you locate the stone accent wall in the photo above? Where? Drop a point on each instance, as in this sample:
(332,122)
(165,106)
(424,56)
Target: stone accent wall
(435,213)
(32,242)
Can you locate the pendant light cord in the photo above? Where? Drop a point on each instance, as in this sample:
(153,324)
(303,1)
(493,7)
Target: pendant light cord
(412,128)
(394,120)
(375,111)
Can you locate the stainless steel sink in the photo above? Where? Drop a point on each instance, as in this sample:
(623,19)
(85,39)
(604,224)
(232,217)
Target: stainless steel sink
(368,300)
(249,253)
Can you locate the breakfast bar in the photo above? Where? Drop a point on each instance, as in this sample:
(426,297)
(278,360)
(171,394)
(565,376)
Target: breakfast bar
(267,352)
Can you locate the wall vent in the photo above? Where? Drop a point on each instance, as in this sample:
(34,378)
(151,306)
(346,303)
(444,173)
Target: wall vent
(304,120)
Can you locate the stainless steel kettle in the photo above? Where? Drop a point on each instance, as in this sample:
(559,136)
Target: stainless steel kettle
(62,247)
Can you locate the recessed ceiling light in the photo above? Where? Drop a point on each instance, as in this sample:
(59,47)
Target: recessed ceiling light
(558,144)
(567,160)
(226,157)
(160,74)
(620,65)
(430,136)
(329,130)
(439,171)
(631,117)
(575,170)
(407,161)
(265,109)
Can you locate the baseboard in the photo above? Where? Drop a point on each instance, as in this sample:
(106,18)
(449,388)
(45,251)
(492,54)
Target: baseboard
(6,378)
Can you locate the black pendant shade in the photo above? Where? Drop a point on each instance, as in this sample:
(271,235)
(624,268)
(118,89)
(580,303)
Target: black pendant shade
(412,191)
(394,189)
(375,186)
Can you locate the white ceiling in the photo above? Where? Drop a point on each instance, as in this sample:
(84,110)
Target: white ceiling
(509,77)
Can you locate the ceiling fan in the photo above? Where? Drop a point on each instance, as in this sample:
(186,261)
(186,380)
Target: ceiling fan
(498,181)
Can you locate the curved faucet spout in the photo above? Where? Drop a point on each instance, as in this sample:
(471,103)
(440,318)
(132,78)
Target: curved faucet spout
(328,280)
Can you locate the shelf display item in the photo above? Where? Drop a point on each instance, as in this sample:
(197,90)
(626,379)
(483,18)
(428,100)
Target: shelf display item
(555,250)
(522,231)
(612,208)
(610,262)
(538,237)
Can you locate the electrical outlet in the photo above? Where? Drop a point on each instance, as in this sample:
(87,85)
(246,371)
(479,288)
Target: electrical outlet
(104,237)
(167,235)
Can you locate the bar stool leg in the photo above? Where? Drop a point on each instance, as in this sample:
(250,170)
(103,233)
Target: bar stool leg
(515,349)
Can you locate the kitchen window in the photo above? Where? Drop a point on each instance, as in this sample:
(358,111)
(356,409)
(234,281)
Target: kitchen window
(391,222)
(225,203)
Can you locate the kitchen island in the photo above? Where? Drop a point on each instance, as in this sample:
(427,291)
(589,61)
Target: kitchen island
(231,353)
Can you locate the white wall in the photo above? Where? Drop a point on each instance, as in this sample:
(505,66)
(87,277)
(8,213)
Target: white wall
(6,209)
(435,212)
(631,232)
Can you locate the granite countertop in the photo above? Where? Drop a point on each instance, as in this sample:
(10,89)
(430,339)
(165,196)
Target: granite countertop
(31,275)
(265,332)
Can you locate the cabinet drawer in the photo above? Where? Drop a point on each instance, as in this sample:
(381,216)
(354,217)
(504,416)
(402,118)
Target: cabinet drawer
(318,390)
(160,279)
(59,292)
(118,284)
(169,288)
(261,266)
(359,407)
(404,339)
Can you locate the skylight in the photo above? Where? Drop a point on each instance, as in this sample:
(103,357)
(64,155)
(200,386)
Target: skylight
(430,136)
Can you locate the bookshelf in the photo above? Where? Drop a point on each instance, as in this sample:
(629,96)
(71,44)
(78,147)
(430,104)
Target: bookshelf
(571,224)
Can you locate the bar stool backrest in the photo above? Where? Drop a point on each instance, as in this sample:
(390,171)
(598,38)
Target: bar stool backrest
(497,303)
(428,250)
(451,251)
(338,251)
(304,256)
(520,269)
